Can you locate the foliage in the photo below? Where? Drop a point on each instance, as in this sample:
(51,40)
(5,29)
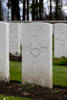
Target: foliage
(60,61)
(35,5)
(2,97)
(28,87)
(55,91)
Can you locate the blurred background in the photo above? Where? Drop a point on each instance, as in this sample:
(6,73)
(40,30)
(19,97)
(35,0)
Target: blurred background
(33,10)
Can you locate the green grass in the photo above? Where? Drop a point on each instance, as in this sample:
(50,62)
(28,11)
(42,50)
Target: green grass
(15,71)
(2,97)
(59,73)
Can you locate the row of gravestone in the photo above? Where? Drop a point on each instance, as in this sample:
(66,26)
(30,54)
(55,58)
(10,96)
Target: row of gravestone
(60,31)
(36,38)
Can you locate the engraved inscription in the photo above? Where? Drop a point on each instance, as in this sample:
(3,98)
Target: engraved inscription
(35,50)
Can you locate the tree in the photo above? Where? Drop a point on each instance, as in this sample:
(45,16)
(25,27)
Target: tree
(50,14)
(41,10)
(57,10)
(15,11)
(0,11)
(28,10)
(37,10)
(24,9)
(33,10)
(37,7)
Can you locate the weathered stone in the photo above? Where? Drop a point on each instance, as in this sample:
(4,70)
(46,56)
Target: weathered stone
(60,40)
(37,53)
(14,38)
(4,51)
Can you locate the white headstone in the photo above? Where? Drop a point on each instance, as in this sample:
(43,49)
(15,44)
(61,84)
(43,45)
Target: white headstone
(37,53)
(14,38)
(4,51)
(60,40)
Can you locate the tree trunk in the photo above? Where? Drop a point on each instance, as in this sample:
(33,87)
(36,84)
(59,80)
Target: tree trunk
(33,10)
(27,10)
(24,9)
(50,10)
(0,11)
(41,9)
(57,9)
(36,10)
(15,10)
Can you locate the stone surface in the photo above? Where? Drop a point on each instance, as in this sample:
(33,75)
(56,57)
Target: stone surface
(14,38)
(37,53)
(60,40)
(4,51)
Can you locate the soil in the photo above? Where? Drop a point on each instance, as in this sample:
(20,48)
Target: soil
(17,57)
(32,91)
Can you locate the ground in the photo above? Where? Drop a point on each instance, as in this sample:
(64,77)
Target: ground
(57,93)
(34,92)
(59,73)
(28,92)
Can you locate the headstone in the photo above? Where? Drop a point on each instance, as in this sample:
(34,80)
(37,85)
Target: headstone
(37,53)
(60,40)
(4,51)
(14,38)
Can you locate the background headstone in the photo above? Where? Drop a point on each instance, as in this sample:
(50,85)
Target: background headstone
(37,53)
(60,40)
(4,51)
(14,38)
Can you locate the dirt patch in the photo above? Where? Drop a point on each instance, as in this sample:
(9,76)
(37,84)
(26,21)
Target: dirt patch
(17,57)
(32,91)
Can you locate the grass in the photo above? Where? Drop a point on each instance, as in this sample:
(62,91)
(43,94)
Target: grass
(59,73)
(15,71)
(59,69)
(2,97)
